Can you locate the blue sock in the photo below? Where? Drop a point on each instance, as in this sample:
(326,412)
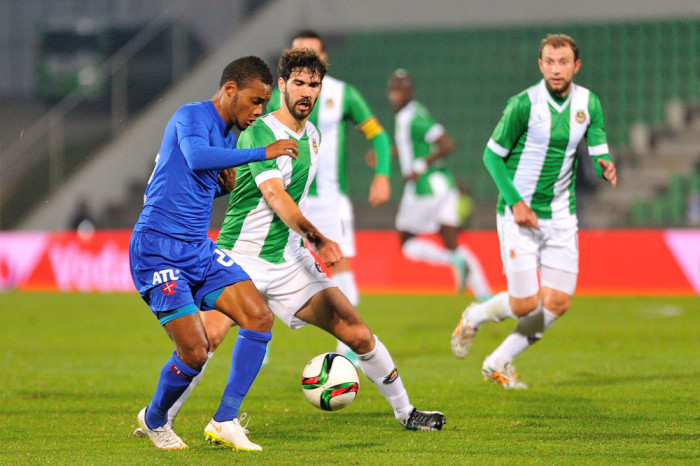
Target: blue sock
(175,377)
(246,359)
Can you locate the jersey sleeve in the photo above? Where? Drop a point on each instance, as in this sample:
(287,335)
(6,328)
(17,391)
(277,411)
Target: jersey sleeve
(256,135)
(425,127)
(496,166)
(595,136)
(358,111)
(193,139)
(510,128)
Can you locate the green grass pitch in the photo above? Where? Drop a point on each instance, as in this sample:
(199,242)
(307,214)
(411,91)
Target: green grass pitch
(614,381)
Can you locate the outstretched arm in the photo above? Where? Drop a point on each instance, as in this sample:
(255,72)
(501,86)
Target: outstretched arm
(199,155)
(288,211)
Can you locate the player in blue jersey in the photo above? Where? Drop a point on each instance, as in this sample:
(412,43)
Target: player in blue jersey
(178,270)
(273,225)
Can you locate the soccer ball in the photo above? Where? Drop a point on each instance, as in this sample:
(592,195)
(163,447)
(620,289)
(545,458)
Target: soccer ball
(330,381)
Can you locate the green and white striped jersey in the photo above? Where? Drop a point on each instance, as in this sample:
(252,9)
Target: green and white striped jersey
(250,226)
(537,136)
(337,104)
(414,134)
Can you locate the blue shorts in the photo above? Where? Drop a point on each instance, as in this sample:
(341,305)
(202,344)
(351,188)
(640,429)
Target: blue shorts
(170,273)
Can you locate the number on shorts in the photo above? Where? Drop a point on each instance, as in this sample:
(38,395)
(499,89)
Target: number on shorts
(223,259)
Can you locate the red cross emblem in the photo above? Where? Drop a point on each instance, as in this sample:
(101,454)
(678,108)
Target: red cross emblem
(177,372)
(169,288)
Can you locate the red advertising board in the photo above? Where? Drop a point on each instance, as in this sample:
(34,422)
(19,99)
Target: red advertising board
(612,262)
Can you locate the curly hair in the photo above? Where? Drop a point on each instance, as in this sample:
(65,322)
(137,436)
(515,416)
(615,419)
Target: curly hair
(559,40)
(245,69)
(301,59)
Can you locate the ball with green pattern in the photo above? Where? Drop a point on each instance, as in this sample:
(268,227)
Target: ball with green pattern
(330,381)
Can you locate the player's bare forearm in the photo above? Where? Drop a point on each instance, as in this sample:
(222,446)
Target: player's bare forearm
(380,190)
(328,250)
(281,203)
(288,211)
(445,146)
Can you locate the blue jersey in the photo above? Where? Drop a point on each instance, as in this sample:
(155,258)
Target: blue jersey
(196,146)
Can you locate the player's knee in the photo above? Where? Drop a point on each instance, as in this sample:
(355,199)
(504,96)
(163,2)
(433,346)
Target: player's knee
(195,357)
(557,307)
(360,339)
(216,336)
(260,319)
(523,306)
(556,302)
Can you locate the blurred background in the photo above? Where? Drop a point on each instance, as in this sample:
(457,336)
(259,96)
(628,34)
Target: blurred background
(87,86)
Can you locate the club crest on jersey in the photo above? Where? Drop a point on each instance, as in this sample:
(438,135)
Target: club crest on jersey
(165,275)
(512,254)
(391,377)
(580,117)
(329,103)
(314,144)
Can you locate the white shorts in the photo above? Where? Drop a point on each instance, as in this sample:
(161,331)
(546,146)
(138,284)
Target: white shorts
(332,215)
(287,286)
(425,214)
(552,249)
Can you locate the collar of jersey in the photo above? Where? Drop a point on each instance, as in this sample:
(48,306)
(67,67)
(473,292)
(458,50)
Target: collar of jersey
(209,105)
(407,109)
(558,107)
(289,130)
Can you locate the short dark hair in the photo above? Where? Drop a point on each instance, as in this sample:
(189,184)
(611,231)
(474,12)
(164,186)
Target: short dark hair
(301,59)
(245,69)
(559,40)
(308,34)
(400,78)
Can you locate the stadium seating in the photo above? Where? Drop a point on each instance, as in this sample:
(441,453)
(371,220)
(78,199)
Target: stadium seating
(670,206)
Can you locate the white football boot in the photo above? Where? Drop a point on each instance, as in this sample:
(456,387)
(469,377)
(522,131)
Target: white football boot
(163,437)
(230,433)
(505,376)
(139,433)
(463,335)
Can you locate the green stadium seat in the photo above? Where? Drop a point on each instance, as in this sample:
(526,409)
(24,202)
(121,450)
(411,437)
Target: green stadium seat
(693,182)
(640,213)
(659,211)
